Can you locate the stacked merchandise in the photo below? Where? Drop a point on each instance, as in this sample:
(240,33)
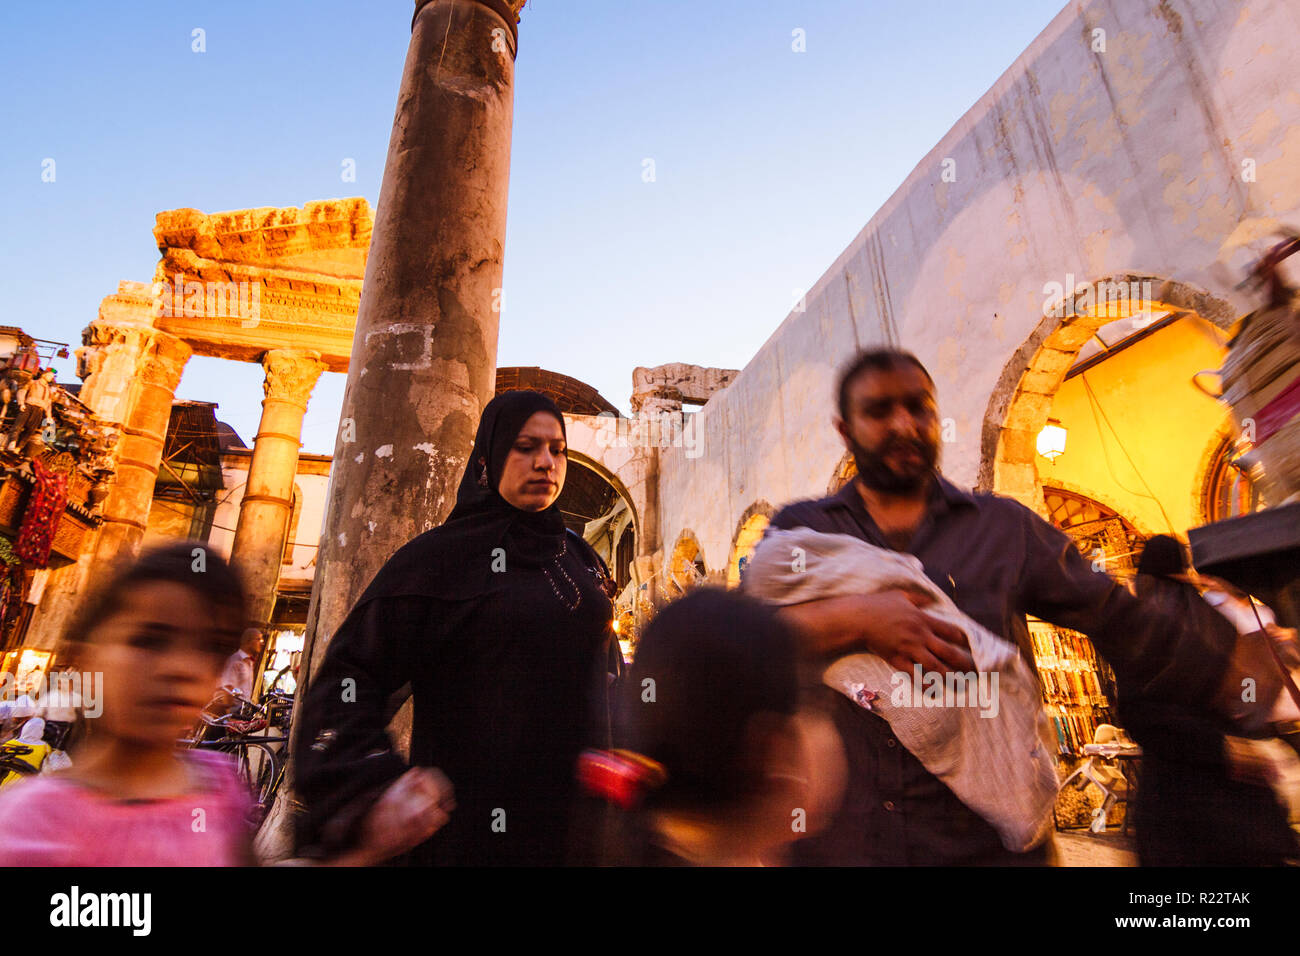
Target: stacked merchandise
(1074,683)
(1260,378)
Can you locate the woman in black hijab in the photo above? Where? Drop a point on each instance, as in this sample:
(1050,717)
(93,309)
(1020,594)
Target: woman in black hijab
(500,622)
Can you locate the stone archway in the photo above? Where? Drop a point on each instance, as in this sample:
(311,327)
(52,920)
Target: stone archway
(685,568)
(749,530)
(587,461)
(1019,406)
(602,510)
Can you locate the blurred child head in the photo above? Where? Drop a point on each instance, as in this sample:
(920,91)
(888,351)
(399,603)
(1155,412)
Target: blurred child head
(714,697)
(159,630)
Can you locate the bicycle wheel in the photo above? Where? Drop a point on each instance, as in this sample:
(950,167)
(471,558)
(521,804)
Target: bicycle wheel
(269,781)
(265,769)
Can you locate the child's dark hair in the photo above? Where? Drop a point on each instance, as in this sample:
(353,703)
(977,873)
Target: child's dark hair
(191,564)
(719,661)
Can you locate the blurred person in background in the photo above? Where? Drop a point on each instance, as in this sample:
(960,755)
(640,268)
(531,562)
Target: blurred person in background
(61,707)
(25,755)
(16,712)
(238,676)
(35,405)
(240,670)
(1206,793)
(726,763)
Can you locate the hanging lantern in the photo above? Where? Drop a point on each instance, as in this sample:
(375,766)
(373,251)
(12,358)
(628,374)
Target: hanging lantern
(26,360)
(1051,440)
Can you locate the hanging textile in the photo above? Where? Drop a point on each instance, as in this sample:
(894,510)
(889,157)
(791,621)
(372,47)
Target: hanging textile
(44,512)
(12,590)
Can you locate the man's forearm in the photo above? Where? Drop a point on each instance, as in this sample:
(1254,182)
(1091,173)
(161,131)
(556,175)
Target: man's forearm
(829,627)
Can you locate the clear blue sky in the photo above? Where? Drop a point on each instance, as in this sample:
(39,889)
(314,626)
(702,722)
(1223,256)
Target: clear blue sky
(768,161)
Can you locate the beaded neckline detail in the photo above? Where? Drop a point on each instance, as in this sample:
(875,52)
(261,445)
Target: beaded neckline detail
(571,604)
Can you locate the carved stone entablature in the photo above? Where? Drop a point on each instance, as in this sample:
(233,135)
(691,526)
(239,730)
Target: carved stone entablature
(329,236)
(229,338)
(238,309)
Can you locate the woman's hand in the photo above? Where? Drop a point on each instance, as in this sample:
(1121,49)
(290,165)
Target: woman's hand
(414,807)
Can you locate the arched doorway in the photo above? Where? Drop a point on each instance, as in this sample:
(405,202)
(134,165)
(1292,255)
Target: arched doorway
(1226,491)
(595,505)
(1101,533)
(749,531)
(1082,328)
(686,568)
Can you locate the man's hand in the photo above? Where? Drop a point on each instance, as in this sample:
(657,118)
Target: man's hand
(890,625)
(904,635)
(412,809)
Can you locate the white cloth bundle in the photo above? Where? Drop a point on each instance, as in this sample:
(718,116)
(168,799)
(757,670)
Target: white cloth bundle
(984,734)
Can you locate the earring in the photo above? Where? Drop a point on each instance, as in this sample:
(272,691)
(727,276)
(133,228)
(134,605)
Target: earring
(483,475)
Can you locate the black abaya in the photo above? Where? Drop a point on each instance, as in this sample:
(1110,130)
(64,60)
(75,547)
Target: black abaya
(500,622)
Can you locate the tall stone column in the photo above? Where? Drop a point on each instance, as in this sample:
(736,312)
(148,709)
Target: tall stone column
(267,505)
(140,447)
(423,359)
(424,356)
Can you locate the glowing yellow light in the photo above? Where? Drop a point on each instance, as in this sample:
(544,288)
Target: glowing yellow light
(1051,440)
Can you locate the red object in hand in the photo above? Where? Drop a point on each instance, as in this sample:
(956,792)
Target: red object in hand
(619,776)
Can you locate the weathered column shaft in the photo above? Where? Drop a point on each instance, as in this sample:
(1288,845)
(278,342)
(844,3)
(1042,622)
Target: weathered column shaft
(140,447)
(423,360)
(267,505)
(424,355)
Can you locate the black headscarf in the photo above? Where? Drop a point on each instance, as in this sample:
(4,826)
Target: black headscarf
(455,560)
(1161,583)
(1163,557)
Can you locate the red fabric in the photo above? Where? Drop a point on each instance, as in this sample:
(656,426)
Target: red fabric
(44,512)
(1284,407)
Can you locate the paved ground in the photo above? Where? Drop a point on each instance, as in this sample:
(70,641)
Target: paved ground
(1084,848)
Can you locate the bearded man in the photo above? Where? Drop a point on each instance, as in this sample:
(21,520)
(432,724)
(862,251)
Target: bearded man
(998,561)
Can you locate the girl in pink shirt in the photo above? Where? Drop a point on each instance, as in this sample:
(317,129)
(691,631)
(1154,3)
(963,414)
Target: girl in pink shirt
(159,633)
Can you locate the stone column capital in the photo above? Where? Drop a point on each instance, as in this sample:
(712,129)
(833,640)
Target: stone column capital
(106,333)
(291,374)
(99,337)
(163,360)
(507,10)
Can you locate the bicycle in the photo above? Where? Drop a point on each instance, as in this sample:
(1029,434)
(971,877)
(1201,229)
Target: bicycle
(260,758)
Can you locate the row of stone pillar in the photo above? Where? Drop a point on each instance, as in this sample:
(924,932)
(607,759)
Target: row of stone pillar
(267,504)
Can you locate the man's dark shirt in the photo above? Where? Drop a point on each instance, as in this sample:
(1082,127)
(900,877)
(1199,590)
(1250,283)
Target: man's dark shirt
(998,561)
